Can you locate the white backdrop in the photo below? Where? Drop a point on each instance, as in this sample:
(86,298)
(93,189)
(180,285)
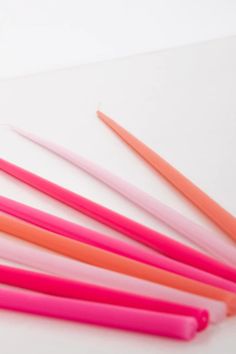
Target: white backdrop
(187,96)
(48,34)
(182,103)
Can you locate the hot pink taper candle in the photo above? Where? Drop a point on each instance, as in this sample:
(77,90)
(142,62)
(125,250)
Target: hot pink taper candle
(204,238)
(163,244)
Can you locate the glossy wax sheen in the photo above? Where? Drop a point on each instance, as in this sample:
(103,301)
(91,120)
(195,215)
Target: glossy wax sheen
(168,325)
(139,232)
(108,260)
(77,232)
(52,263)
(196,233)
(221,217)
(79,290)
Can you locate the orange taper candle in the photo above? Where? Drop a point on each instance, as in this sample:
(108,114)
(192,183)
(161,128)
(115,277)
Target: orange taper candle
(221,217)
(104,259)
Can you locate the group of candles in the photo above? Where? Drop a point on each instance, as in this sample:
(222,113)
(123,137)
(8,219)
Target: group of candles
(167,289)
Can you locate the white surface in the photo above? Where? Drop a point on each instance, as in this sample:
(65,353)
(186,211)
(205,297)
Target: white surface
(48,34)
(182,103)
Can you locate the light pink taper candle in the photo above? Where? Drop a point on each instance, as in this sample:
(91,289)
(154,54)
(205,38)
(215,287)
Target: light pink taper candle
(37,258)
(204,238)
(83,234)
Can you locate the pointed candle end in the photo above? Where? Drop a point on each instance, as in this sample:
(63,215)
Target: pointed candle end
(100,115)
(106,119)
(16,130)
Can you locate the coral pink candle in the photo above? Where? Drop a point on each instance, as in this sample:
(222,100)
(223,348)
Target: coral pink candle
(200,199)
(77,232)
(203,237)
(40,259)
(139,232)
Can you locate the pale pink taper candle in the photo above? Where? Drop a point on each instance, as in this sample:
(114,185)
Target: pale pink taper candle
(80,233)
(204,238)
(37,258)
(121,223)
